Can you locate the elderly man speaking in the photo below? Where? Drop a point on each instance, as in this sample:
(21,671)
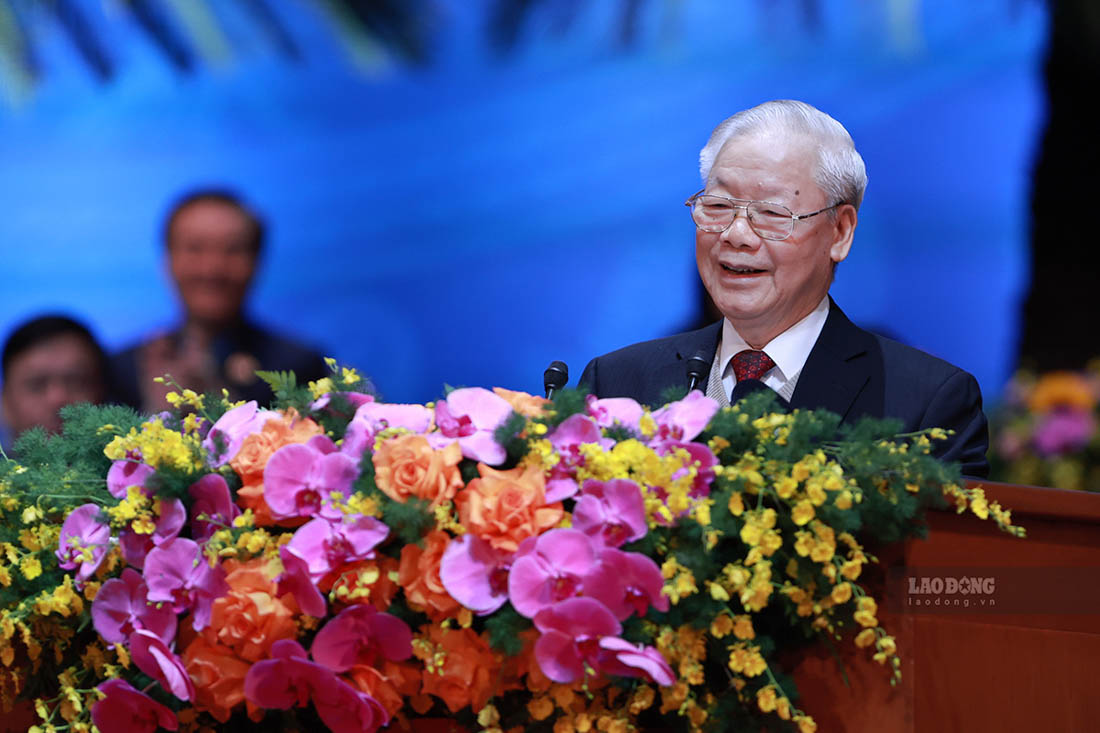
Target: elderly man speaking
(782,185)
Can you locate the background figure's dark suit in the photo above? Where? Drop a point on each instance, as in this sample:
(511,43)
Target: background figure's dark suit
(850,371)
(251,346)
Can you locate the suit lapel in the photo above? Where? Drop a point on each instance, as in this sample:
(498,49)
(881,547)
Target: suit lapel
(839,367)
(671,370)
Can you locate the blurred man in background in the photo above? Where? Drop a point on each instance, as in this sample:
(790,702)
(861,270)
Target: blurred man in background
(49,362)
(213,242)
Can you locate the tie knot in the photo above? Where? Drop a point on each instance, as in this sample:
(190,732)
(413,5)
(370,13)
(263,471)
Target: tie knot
(750,364)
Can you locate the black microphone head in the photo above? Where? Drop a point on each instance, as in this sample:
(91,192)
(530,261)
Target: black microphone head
(556,375)
(697,366)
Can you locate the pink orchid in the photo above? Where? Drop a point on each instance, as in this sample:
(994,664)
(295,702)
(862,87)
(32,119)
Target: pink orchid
(471,416)
(620,657)
(626,582)
(227,434)
(573,432)
(177,573)
(170,520)
(704,461)
(330,400)
(153,657)
(296,580)
(126,710)
(373,417)
(475,574)
(549,568)
(212,506)
(571,631)
(121,607)
(299,479)
(684,419)
(83,541)
(289,679)
(612,511)
(360,634)
(326,545)
(126,473)
(615,411)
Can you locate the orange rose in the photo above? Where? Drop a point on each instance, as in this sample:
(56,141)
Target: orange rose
(218,675)
(407,466)
(1062,389)
(367,581)
(389,685)
(251,459)
(506,507)
(525,404)
(249,618)
(419,576)
(468,674)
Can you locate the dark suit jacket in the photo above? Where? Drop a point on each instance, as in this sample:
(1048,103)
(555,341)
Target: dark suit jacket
(850,371)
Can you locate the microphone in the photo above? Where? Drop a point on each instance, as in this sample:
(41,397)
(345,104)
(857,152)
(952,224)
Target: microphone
(697,366)
(555,377)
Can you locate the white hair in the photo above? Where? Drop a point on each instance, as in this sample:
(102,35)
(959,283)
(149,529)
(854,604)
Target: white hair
(840,173)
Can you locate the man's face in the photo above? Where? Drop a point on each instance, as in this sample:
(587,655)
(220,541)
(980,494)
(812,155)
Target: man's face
(764,286)
(60,371)
(212,261)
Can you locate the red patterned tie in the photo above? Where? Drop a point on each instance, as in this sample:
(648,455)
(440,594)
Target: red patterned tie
(749,364)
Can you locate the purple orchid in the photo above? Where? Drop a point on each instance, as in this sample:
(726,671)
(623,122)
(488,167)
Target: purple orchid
(373,417)
(471,416)
(548,569)
(121,607)
(360,634)
(230,431)
(611,511)
(83,542)
(296,581)
(153,657)
(170,520)
(212,507)
(124,709)
(289,679)
(684,419)
(325,545)
(1064,430)
(626,582)
(620,657)
(177,573)
(126,473)
(475,574)
(571,632)
(299,479)
(567,438)
(615,411)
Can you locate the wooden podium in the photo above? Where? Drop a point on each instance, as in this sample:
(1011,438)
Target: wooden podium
(1019,654)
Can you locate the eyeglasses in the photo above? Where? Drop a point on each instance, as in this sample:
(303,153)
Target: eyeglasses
(769,220)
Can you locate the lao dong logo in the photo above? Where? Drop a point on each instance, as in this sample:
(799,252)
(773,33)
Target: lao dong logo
(949,590)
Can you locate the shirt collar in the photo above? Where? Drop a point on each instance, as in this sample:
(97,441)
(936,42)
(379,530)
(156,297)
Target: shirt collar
(789,350)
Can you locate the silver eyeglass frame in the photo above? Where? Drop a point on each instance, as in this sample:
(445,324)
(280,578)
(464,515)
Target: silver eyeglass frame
(744,205)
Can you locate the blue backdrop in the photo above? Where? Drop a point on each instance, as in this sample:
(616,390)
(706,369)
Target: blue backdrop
(470,221)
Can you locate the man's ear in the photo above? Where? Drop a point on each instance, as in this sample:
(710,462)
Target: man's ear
(844,229)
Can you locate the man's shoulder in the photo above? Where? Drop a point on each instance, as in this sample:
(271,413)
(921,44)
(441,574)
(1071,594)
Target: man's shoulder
(909,364)
(676,344)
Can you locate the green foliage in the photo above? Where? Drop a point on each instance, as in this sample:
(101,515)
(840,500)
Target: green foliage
(288,393)
(504,627)
(508,435)
(567,402)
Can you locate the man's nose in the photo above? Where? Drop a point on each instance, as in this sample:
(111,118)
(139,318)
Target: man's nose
(740,232)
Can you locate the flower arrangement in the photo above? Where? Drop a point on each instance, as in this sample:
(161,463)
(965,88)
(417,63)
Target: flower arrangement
(493,558)
(1045,431)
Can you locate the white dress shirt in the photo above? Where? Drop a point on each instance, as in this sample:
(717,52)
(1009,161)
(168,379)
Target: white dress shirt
(789,350)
